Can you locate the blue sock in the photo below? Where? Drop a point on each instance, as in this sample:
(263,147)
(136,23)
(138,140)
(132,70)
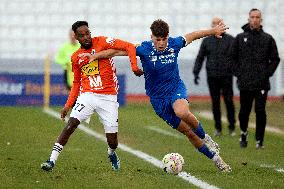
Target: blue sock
(204,150)
(199,131)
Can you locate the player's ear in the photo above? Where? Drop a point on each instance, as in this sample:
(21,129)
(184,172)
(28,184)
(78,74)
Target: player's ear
(75,36)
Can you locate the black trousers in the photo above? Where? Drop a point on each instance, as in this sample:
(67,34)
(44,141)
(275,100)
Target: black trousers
(217,86)
(246,100)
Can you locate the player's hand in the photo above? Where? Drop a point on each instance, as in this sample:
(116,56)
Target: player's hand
(64,112)
(220,29)
(138,72)
(83,55)
(88,55)
(196,80)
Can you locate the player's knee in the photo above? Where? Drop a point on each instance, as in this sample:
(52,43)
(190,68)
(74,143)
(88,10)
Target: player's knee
(72,125)
(181,113)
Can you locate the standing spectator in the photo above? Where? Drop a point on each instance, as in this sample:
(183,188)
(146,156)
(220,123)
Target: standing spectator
(255,59)
(219,78)
(63,58)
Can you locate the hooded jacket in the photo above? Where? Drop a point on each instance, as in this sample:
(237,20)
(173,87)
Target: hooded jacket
(254,58)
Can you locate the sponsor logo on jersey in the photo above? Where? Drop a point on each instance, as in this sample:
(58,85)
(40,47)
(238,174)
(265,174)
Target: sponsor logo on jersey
(167,59)
(96,82)
(91,68)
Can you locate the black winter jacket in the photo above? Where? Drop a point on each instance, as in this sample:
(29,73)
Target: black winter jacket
(217,53)
(254,58)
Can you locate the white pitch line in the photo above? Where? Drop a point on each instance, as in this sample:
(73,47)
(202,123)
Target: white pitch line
(146,157)
(164,132)
(208,115)
(279,169)
(267,166)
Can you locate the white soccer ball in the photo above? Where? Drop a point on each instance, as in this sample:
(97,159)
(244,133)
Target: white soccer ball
(172,163)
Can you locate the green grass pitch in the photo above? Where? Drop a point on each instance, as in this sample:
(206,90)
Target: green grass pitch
(27,136)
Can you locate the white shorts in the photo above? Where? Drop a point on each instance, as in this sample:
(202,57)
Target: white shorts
(105,105)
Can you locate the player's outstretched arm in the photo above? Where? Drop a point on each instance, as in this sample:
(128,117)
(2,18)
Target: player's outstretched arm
(109,53)
(217,31)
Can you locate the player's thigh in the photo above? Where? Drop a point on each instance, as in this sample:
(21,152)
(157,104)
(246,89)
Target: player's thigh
(180,107)
(107,109)
(83,108)
(179,101)
(164,110)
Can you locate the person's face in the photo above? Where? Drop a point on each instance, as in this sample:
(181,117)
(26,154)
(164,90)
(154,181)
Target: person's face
(255,19)
(83,35)
(160,43)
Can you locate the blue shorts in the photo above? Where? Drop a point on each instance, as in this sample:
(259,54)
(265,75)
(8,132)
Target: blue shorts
(164,106)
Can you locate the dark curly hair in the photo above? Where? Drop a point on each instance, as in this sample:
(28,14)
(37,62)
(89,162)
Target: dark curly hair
(160,28)
(78,24)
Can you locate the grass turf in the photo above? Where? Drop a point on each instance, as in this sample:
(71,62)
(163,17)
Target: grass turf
(27,136)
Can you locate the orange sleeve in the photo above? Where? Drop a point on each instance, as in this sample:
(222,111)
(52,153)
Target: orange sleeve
(111,43)
(76,85)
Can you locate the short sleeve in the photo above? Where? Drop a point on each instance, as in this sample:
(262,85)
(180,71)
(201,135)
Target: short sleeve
(139,50)
(179,42)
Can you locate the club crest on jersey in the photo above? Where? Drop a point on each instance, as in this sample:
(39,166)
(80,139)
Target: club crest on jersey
(153,58)
(171,50)
(245,39)
(91,68)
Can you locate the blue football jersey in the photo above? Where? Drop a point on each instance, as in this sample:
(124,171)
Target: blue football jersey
(160,67)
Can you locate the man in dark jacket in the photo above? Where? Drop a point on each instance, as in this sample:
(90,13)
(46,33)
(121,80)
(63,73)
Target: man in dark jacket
(254,59)
(219,76)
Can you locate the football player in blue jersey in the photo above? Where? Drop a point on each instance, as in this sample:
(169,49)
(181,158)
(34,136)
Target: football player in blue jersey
(165,88)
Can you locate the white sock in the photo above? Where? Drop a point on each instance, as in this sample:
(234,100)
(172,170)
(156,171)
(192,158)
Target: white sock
(110,151)
(57,148)
(215,157)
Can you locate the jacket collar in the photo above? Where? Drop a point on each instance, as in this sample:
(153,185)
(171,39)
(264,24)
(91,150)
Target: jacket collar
(247,28)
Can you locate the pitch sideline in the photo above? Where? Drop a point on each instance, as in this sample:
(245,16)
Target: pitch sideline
(146,157)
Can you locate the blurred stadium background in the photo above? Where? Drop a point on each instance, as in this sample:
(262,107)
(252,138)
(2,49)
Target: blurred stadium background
(31,30)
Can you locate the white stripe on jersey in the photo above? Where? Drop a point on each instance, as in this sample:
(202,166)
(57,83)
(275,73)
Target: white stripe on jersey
(115,80)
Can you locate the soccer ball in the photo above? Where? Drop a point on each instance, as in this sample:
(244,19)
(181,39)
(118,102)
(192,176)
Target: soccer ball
(172,163)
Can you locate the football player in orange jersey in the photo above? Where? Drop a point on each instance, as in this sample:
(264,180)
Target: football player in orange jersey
(96,81)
